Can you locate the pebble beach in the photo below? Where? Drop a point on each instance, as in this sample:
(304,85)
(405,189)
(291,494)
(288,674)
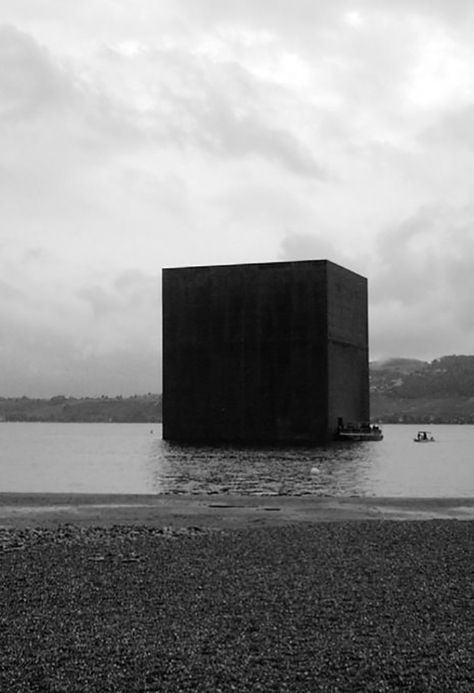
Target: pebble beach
(340,605)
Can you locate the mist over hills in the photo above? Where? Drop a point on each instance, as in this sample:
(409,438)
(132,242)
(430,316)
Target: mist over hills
(402,390)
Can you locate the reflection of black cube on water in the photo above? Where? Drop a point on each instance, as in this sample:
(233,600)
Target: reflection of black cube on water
(263,353)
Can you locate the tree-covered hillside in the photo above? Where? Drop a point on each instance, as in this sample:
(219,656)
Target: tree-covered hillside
(418,391)
(136,409)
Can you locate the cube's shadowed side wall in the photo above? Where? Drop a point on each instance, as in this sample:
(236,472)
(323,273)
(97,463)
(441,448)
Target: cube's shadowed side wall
(348,358)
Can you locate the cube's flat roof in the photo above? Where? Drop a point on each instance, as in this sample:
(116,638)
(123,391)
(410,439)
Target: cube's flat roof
(266,265)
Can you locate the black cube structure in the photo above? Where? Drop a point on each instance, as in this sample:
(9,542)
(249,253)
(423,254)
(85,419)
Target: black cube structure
(271,353)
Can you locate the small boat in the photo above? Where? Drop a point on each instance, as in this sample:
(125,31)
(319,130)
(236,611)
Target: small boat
(424,437)
(359,432)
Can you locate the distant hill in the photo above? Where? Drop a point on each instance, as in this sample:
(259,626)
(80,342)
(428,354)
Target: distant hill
(398,365)
(407,390)
(135,409)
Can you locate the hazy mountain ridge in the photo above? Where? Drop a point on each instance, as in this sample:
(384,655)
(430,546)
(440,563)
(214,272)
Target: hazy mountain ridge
(398,365)
(440,391)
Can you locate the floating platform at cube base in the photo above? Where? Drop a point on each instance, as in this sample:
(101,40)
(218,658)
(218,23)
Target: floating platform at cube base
(272,353)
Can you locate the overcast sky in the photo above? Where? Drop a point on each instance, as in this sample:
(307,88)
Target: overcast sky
(141,134)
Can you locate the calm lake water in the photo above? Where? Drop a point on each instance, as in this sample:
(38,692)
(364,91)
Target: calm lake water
(132,458)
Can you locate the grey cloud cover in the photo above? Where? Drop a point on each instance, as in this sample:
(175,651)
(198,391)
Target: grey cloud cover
(30,82)
(177,133)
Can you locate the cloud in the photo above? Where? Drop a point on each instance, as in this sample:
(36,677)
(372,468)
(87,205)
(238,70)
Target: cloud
(422,285)
(453,130)
(125,312)
(306,246)
(42,367)
(301,21)
(179,133)
(227,133)
(190,98)
(94,339)
(30,81)
(459,13)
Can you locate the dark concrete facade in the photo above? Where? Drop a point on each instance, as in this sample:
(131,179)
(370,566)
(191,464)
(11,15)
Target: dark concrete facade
(263,353)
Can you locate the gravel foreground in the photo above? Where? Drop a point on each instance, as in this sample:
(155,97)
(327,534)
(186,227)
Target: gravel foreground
(339,606)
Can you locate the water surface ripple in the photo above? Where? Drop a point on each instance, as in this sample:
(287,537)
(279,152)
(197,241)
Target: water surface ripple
(133,458)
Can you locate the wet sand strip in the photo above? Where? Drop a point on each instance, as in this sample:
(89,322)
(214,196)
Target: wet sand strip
(218,511)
